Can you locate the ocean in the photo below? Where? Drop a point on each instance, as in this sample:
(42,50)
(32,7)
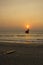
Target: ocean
(21,38)
(21,49)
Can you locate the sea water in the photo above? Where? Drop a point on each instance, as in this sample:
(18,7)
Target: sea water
(21,37)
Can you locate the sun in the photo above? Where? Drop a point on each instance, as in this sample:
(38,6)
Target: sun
(27,26)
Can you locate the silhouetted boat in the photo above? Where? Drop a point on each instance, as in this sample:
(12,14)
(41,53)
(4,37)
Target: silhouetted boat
(27,31)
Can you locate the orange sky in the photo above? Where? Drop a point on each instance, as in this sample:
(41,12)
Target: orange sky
(16,13)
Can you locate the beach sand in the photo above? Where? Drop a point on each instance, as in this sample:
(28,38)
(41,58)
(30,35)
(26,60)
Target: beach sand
(21,54)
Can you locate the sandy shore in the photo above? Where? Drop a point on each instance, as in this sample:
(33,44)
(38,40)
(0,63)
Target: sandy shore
(21,54)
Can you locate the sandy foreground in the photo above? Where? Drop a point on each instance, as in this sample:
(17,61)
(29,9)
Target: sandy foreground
(21,54)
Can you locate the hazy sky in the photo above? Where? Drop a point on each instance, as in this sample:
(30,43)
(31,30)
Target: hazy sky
(14,14)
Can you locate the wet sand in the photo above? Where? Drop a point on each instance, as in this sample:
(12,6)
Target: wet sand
(21,54)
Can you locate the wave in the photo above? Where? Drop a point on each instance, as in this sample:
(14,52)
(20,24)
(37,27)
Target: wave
(21,38)
(22,41)
(20,35)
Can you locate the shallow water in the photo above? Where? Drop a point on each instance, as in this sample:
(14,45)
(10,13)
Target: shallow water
(21,38)
(21,54)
